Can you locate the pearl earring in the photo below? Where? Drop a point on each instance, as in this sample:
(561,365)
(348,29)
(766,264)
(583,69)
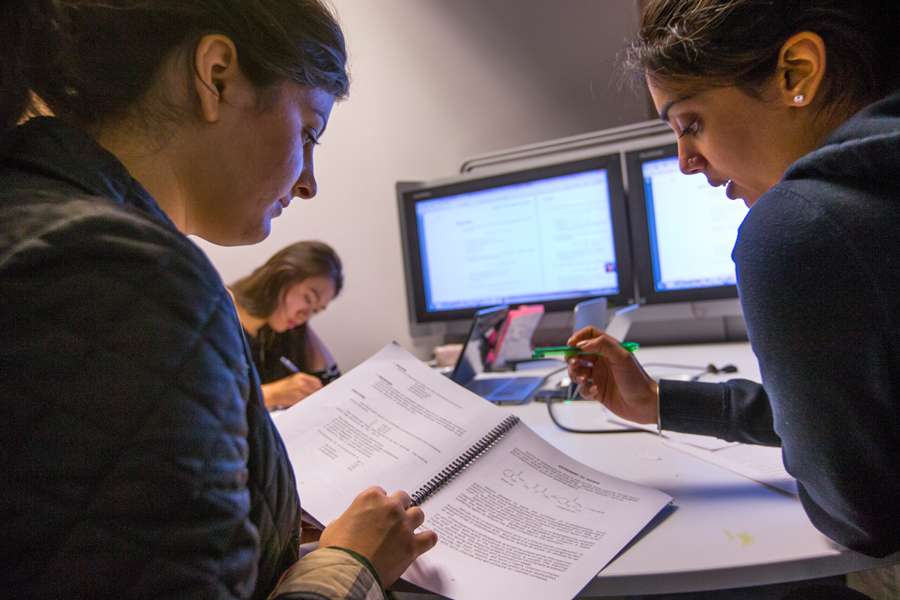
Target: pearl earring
(799,98)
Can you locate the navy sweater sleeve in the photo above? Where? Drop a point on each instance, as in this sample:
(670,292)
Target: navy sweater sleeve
(737,411)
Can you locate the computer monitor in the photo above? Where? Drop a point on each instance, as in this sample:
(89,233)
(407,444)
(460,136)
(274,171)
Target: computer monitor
(683,230)
(554,234)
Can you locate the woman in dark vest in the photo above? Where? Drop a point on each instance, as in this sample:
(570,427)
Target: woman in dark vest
(137,459)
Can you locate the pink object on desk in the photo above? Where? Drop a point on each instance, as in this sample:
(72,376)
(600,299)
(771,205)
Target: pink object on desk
(514,341)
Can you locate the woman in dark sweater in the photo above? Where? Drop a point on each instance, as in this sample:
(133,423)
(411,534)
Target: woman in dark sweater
(793,106)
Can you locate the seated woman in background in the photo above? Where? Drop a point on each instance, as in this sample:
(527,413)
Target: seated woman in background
(794,107)
(274,305)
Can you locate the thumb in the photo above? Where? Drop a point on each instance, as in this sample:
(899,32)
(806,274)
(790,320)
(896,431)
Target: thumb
(581,335)
(425,541)
(606,346)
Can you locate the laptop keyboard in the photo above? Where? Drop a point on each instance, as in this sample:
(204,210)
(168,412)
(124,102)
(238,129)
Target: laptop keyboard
(484,387)
(513,388)
(516,389)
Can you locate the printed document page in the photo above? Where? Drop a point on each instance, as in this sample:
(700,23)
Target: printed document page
(527,521)
(392,422)
(760,463)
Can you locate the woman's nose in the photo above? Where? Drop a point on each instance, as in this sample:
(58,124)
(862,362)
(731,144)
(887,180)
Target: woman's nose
(689,161)
(306,186)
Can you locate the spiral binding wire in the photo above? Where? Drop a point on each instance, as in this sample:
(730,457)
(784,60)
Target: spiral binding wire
(466,459)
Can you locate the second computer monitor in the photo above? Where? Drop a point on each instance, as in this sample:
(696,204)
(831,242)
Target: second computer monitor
(683,230)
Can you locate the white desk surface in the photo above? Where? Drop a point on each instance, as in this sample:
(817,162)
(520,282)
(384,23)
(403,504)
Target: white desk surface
(724,530)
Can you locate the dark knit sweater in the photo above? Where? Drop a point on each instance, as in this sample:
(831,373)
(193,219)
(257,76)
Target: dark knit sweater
(818,266)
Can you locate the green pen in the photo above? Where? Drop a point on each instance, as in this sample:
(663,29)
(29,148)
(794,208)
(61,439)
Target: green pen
(574,350)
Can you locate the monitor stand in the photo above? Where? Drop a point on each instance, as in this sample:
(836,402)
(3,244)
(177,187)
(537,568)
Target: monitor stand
(621,321)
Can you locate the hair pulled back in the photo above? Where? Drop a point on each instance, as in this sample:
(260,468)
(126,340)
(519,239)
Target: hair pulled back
(713,43)
(30,37)
(92,60)
(260,292)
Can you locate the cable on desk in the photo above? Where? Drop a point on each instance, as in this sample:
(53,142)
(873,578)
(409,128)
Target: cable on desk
(552,373)
(707,370)
(573,392)
(713,369)
(570,397)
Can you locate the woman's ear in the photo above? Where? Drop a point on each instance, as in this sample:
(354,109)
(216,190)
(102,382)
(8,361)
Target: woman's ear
(218,80)
(801,66)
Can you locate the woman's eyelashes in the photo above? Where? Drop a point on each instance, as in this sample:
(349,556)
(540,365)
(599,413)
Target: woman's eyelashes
(310,138)
(310,304)
(691,129)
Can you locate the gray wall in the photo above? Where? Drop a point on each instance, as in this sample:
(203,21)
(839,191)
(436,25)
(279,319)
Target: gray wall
(434,82)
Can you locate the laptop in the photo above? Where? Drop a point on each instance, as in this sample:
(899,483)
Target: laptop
(472,369)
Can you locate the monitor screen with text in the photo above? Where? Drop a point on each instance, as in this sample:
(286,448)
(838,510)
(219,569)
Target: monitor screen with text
(554,235)
(684,230)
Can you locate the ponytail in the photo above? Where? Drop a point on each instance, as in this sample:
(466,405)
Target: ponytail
(30,43)
(738,42)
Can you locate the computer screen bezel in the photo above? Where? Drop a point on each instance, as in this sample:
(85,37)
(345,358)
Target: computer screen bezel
(408,193)
(640,235)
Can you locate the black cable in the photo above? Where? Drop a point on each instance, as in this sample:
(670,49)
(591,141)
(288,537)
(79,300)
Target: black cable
(552,373)
(713,369)
(725,369)
(571,430)
(707,370)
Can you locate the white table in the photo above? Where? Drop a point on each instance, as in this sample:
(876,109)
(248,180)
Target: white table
(724,530)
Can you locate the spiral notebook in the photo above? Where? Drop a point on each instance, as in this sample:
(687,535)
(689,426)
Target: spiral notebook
(515,517)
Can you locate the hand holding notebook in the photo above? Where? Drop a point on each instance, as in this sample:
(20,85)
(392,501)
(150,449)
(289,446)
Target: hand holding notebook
(514,516)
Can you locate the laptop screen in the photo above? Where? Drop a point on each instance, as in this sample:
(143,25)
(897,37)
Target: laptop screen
(478,349)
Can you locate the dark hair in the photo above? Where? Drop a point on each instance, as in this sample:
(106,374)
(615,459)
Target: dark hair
(30,46)
(260,292)
(712,43)
(104,55)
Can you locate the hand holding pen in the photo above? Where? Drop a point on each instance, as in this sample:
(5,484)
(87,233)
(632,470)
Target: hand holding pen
(290,366)
(290,390)
(606,370)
